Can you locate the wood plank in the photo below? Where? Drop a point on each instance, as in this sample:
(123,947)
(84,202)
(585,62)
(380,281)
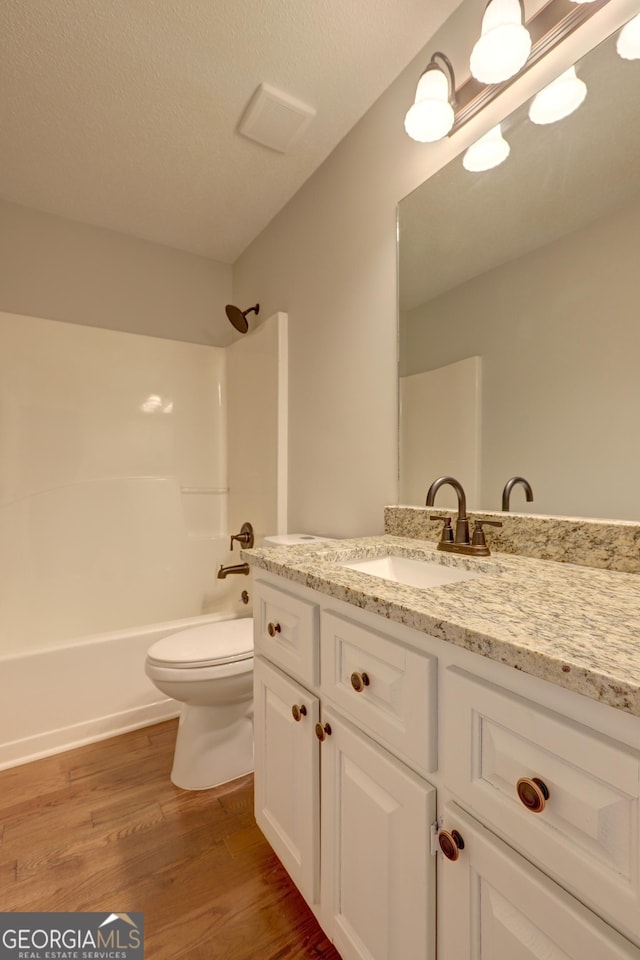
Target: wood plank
(103,828)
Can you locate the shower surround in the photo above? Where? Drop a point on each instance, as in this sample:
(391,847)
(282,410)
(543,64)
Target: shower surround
(114,516)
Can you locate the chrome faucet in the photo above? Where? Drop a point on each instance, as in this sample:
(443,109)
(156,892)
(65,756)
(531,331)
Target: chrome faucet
(461,543)
(508,487)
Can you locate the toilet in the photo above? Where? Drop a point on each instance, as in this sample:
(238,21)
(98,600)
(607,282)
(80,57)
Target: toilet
(209,669)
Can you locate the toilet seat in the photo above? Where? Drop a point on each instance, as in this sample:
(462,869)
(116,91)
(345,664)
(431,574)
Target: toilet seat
(215,643)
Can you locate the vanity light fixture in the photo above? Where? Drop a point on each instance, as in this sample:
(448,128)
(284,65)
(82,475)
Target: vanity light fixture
(489,151)
(508,46)
(628,43)
(558,99)
(431,116)
(504,44)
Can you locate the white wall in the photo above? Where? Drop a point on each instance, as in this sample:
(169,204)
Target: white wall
(329,260)
(56,268)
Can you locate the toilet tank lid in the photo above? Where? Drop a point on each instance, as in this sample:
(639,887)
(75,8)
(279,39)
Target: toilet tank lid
(294,539)
(218,641)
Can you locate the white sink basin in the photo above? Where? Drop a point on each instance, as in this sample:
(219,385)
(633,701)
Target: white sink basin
(410,572)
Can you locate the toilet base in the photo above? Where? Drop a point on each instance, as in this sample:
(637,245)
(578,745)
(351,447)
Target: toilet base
(213,745)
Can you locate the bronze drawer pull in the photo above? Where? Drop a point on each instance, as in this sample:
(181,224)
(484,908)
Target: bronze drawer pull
(533,793)
(450,843)
(298,712)
(323,730)
(359,681)
(273,629)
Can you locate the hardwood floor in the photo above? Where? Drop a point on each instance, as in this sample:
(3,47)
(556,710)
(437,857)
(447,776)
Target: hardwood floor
(102,828)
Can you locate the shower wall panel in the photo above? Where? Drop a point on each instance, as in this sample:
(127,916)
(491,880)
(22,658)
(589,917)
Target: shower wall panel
(113,480)
(257,371)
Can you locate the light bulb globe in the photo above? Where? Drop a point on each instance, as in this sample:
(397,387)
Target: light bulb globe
(500,53)
(429,120)
(489,151)
(628,42)
(431,116)
(558,99)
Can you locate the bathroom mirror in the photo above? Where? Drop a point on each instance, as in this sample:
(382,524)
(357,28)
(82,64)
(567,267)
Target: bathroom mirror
(519,294)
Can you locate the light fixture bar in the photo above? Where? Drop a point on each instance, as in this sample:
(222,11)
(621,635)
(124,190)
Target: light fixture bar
(557,20)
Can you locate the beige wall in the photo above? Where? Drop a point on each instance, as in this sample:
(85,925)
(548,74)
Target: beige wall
(61,270)
(559,338)
(329,260)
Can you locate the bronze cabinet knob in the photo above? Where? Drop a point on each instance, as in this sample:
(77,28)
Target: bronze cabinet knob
(359,681)
(273,629)
(533,793)
(298,712)
(323,730)
(450,843)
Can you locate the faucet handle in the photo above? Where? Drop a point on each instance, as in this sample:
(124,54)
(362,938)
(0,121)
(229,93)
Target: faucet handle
(447,530)
(245,537)
(478,539)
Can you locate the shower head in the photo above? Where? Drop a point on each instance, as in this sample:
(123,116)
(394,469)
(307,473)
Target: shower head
(238,317)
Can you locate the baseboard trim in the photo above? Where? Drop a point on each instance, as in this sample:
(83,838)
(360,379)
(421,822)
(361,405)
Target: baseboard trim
(47,744)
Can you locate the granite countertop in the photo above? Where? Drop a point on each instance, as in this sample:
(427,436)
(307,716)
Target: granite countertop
(571,625)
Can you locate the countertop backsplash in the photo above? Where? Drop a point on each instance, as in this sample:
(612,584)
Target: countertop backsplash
(602,544)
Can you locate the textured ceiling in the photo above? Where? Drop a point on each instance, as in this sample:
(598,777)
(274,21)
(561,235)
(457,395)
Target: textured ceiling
(124,113)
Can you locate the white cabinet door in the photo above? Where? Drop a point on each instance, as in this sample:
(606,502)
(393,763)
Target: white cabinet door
(378,877)
(586,835)
(287,786)
(492,903)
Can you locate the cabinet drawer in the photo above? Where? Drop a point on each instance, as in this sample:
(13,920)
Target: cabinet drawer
(492,903)
(587,834)
(286,631)
(387,689)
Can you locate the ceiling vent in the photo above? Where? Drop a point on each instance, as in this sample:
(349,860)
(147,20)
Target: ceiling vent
(274,118)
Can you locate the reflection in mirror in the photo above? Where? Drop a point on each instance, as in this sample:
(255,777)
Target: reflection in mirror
(529,276)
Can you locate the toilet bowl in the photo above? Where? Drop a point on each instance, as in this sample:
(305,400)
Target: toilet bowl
(209,669)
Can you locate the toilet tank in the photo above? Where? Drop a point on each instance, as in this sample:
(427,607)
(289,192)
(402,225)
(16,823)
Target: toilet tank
(294,539)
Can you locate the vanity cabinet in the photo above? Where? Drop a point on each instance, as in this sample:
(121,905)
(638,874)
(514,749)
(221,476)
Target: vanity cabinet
(422,747)
(319,772)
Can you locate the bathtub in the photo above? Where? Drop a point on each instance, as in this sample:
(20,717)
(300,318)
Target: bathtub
(56,699)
